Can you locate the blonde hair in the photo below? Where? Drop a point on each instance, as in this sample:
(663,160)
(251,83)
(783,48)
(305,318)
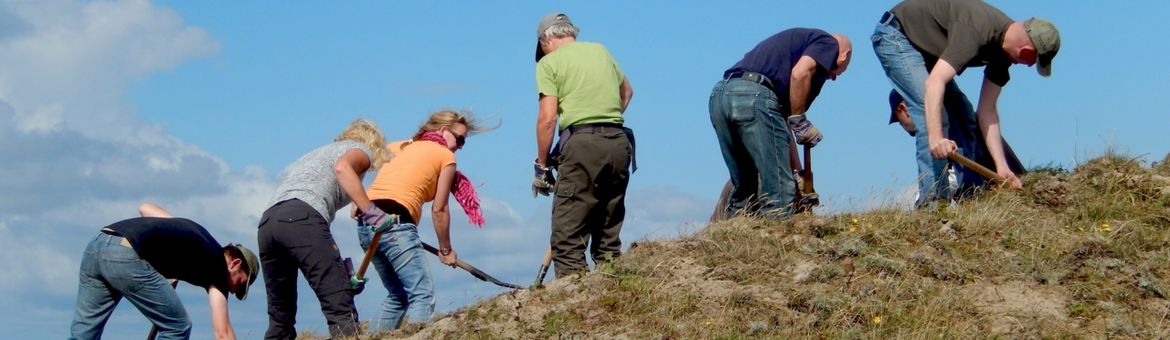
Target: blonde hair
(366,132)
(447,118)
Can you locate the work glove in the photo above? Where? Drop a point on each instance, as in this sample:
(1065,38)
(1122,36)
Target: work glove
(355,286)
(806,133)
(372,216)
(542,180)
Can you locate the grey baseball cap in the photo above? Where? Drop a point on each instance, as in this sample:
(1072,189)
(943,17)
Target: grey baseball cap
(546,22)
(1046,39)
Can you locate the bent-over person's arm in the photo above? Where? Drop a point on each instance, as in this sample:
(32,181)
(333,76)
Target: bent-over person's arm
(220,322)
(800,83)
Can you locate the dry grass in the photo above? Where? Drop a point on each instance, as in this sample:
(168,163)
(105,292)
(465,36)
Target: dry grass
(1080,253)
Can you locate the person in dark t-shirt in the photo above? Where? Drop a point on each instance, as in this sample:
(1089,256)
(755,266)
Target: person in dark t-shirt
(140,258)
(759,100)
(923,44)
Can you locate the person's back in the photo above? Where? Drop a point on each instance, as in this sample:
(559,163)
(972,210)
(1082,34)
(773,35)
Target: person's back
(177,248)
(775,56)
(311,179)
(410,179)
(965,33)
(586,80)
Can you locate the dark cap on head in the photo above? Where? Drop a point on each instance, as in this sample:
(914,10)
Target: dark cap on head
(895,99)
(1046,40)
(547,21)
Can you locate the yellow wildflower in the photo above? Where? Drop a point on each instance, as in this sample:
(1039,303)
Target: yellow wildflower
(877,320)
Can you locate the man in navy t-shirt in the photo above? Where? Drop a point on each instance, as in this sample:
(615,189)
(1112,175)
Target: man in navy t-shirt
(761,99)
(139,257)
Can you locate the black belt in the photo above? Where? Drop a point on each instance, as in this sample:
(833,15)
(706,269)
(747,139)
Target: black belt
(568,132)
(596,128)
(392,207)
(752,77)
(888,18)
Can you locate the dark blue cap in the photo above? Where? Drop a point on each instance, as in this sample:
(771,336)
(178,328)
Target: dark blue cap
(895,99)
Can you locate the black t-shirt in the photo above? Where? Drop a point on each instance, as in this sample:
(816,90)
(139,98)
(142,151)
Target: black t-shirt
(775,56)
(177,248)
(965,33)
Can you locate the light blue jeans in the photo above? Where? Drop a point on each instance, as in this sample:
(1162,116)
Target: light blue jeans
(907,71)
(111,271)
(753,136)
(400,263)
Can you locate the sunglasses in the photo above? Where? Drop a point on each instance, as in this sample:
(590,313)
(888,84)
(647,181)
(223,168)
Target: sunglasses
(459,139)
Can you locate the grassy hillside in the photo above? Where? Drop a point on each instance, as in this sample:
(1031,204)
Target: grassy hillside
(1081,253)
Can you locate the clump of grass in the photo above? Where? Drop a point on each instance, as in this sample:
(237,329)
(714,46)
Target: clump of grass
(1077,253)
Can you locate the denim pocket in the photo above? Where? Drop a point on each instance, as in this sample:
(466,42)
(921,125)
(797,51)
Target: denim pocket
(743,106)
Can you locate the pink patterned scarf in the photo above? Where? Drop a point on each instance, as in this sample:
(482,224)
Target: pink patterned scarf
(463,190)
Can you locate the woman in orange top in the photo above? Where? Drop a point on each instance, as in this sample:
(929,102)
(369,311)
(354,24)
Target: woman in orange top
(423,169)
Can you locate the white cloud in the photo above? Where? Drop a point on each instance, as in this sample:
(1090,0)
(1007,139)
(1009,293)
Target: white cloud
(77,156)
(68,63)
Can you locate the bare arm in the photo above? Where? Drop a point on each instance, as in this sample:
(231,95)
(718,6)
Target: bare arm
(627,93)
(988,116)
(546,125)
(800,83)
(152,210)
(220,322)
(348,166)
(441,213)
(936,86)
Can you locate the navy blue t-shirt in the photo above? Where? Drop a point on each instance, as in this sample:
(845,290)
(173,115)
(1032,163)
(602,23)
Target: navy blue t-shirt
(775,56)
(177,248)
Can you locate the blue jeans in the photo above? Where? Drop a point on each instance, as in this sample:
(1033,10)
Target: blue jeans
(907,70)
(753,136)
(111,271)
(399,262)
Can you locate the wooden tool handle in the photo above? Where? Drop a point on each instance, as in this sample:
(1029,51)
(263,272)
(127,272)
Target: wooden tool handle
(370,250)
(987,173)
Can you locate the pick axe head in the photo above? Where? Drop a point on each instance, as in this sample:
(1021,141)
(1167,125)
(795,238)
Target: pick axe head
(543,269)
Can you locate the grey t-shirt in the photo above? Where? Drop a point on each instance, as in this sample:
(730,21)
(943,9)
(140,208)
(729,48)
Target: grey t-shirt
(965,33)
(311,179)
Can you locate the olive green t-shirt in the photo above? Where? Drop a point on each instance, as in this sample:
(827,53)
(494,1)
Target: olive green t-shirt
(965,33)
(586,81)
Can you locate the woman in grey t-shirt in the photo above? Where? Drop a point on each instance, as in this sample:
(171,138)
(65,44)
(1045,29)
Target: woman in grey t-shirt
(294,232)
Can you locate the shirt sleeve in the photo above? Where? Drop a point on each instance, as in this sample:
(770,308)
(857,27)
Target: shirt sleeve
(823,50)
(962,47)
(365,150)
(545,79)
(998,74)
(617,69)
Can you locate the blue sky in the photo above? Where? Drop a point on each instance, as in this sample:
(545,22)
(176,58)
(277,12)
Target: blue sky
(199,105)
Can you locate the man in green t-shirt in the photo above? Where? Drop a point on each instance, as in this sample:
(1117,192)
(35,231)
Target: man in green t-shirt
(581,84)
(923,44)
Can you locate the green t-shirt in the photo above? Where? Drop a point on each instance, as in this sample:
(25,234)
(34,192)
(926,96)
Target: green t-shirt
(586,81)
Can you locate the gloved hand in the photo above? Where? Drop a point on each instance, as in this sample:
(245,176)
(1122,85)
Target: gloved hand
(806,133)
(355,286)
(542,180)
(372,216)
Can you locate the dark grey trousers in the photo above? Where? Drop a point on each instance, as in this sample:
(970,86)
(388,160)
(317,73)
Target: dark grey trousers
(590,198)
(292,237)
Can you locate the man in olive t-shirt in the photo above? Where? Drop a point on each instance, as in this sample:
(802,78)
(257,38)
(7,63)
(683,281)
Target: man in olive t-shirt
(581,83)
(923,44)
